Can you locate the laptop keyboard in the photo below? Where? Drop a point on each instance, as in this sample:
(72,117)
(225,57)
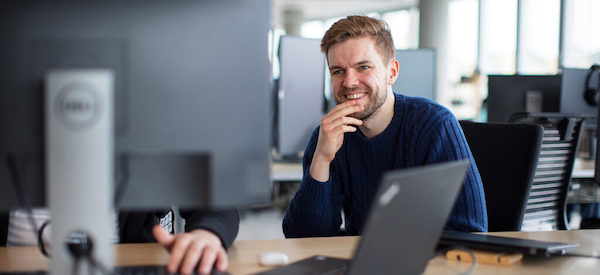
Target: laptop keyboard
(122,270)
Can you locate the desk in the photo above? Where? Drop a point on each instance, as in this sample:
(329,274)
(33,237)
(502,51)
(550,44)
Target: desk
(243,255)
(286,171)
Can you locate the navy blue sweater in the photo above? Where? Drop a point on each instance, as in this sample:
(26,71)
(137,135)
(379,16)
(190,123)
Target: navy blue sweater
(421,132)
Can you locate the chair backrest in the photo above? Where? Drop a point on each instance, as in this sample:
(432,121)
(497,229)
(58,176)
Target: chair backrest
(3,228)
(506,155)
(546,204)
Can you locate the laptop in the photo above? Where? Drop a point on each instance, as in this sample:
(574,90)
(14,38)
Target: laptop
(505,244)
(405,221)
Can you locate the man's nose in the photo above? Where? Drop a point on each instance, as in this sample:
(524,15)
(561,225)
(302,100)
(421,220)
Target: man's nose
(351,79)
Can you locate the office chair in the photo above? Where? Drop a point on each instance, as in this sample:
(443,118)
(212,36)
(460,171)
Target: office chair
(3,228)
(546,203)
(506,155)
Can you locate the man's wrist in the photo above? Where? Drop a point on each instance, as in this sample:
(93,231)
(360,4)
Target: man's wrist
(205,233)
(319,168)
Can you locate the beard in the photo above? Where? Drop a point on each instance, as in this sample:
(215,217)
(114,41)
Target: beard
(376,100)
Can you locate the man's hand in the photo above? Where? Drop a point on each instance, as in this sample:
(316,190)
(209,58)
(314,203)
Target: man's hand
(198,248)
(331,137)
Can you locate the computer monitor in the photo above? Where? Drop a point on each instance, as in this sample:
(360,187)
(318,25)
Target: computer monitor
(416,74)
(509,94)
(191,83)
(300,94)
(572,89)
(572,100)
(185,113)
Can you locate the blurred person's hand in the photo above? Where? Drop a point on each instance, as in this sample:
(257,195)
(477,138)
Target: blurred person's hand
(199,248)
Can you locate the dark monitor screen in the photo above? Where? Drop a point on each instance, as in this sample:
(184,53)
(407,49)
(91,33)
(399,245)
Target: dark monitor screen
(300,96)
(509,94)
(191,95)
(573,87)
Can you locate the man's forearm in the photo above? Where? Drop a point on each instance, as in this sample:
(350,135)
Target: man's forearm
(319,169)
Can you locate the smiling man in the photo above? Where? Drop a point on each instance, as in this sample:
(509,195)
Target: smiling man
(370,131)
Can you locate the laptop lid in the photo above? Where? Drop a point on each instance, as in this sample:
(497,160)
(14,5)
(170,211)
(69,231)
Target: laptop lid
(407,217)
(505,244)
(404,224)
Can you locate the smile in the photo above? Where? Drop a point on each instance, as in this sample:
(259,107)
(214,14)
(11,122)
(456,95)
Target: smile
(355,96)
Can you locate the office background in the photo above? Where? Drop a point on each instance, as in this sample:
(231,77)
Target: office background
(471,39)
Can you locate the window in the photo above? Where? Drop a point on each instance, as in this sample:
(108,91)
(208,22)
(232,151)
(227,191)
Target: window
(313,29)
(274,36)
(539,31)
(463,17)
(498,36)
(581,33)
(404,25)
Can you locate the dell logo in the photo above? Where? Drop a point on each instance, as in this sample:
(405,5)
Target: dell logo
(84,107)
(77,105)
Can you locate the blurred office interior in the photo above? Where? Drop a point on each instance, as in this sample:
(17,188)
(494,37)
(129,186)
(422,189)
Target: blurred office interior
(471,40)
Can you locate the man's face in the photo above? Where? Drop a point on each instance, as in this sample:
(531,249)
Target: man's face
(359,73)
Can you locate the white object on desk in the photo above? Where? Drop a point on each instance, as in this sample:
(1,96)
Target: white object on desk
(272,258)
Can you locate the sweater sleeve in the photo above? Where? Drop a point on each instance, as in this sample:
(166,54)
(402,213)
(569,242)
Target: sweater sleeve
(315,209)
(224,223)
(446,142)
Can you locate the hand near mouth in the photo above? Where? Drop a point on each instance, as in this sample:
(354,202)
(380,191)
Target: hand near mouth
(331,137)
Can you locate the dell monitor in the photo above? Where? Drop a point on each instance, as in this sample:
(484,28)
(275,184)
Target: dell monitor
(166,102)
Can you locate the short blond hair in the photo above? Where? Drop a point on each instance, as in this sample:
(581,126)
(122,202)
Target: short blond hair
(357,26)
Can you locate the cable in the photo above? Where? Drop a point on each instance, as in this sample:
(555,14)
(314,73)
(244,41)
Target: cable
(98,265)
(41,244)
(12,166)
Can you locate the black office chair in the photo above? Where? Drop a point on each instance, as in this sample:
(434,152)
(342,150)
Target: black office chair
(506,155)
(546,204)
(3,228)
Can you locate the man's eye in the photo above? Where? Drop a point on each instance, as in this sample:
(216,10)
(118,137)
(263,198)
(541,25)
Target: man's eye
(364,67)
(336,72)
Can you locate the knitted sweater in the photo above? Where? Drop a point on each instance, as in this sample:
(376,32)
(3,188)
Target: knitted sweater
(421,132)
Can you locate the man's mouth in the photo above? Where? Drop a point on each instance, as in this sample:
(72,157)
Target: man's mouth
(355,96)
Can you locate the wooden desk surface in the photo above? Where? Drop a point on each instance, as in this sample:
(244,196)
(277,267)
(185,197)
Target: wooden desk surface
(244,254)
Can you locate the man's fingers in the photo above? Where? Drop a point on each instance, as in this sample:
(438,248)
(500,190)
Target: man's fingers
(351,120)
(340,122)
(162,236)
(348,128)
(192,257)
(342,112)
(178,250)
(208,260)
(222,260)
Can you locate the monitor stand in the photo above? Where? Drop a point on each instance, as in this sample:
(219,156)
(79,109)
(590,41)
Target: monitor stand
(79,144)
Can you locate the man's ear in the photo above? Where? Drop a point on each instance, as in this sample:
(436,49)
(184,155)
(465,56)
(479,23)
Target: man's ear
(393,68)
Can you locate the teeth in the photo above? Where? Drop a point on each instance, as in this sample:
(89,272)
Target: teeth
(354,96)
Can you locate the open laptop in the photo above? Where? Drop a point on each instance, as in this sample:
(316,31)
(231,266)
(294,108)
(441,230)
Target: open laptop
(407,217)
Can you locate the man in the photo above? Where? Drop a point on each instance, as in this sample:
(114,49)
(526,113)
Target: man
(370,131)
(202,246)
